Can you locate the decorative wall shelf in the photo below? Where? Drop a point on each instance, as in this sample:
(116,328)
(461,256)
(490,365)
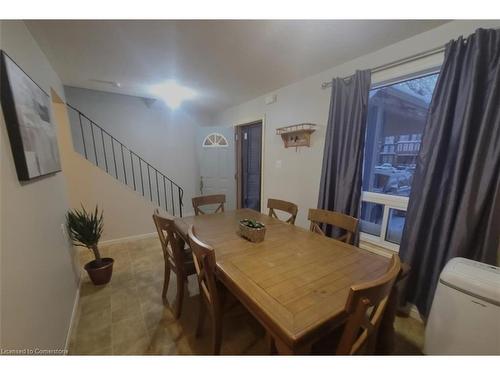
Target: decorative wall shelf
(296,135)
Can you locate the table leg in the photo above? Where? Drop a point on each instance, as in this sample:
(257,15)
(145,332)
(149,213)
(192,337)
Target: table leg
(283,349)
(270,344)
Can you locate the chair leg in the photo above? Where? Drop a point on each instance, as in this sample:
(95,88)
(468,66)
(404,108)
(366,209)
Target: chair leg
(216,333)
(166,280)
(180,295)
(201,316)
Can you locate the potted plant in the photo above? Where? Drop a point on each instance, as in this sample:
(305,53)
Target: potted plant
(252,230)
(85,229)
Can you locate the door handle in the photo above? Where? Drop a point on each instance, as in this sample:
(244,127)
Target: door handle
(201,185)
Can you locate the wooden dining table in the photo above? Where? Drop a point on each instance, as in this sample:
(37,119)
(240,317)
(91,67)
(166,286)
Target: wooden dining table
(295,282)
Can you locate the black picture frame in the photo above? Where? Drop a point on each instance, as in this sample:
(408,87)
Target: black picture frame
(26,110)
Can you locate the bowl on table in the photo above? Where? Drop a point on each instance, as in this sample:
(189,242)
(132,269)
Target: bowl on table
(253,231)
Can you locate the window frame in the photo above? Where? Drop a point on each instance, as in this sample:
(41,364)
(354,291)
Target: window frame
(214,145)
(390,201)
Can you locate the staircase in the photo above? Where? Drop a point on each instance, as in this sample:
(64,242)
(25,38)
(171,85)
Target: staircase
(106,152)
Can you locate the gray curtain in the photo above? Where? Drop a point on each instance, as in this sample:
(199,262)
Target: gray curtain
(454,207)
(340,188)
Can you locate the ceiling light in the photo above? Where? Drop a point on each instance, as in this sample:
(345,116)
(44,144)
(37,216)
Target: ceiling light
(172,93)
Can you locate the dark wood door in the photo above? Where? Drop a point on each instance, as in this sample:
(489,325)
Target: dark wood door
(251,164)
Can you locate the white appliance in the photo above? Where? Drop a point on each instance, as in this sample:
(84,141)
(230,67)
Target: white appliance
(465,312)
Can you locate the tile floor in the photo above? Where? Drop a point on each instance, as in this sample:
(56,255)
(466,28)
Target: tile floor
(127,316)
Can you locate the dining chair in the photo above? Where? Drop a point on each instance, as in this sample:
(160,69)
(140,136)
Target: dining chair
(205,200)
(177,257)
(289,207)
(204,262)
(366,308)
(365,305)
(348,223)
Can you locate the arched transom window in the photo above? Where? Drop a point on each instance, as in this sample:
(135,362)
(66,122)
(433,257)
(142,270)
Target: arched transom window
(215,140)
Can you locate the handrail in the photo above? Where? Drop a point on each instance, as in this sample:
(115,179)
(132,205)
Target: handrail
(149,167)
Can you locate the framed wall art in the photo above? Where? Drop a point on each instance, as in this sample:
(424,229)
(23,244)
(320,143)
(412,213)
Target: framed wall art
(26,109)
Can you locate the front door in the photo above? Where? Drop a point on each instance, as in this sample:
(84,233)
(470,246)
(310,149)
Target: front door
(249,158)
(217,163)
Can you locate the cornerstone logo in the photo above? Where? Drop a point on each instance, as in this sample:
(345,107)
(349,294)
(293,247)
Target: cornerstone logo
(34,351)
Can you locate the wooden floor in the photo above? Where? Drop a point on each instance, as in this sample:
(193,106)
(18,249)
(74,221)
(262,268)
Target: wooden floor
(127,316)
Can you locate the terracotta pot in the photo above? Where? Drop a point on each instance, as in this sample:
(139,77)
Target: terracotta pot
(100,273)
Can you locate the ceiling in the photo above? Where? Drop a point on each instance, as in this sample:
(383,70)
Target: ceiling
(226,62)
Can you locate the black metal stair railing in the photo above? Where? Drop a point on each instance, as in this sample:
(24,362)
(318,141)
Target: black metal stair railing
(162,191)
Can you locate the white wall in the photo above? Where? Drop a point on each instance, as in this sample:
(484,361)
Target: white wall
(37,282)
(126,213)
(299,176)
(166,139)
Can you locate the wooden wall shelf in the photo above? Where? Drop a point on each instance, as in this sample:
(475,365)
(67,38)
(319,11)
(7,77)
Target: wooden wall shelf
(296,135)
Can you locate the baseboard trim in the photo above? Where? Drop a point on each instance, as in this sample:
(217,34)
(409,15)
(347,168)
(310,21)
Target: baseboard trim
(129,238)
(137,236)
(72,321)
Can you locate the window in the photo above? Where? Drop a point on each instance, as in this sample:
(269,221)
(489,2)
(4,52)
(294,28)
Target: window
(215,140)
(396,118)
(395,225)
(371,218)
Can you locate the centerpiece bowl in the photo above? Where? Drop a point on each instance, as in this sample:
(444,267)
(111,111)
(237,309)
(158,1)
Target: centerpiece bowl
(252,230)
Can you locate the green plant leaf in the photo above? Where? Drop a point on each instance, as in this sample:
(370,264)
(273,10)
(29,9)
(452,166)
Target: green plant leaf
(251,223)
(85,228)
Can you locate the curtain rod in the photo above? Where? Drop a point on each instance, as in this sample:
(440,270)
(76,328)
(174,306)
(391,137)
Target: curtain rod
(417,56)
(395,63)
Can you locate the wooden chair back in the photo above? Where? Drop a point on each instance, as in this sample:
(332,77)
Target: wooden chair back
(204,200)
(171,241)
(289,207)
(365,305)
(348,223)
(204,263)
